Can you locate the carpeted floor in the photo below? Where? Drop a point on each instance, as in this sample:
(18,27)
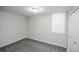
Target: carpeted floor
(29,45)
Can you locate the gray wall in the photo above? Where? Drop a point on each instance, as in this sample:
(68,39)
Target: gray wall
(13,27)
(39,28)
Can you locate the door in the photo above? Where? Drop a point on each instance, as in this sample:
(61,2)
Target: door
(73,42)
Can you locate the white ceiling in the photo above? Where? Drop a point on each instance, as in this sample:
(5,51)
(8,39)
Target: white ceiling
(23,10)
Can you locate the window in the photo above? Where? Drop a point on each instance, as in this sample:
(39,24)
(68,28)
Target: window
(58,22)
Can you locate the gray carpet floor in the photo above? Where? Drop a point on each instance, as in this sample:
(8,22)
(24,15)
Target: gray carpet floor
(30,45)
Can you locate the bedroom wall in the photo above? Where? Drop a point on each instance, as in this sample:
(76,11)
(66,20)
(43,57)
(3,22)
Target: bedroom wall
(39,28)
(13,27)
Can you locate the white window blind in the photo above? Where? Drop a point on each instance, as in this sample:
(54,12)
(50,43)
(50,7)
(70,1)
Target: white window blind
(58,22)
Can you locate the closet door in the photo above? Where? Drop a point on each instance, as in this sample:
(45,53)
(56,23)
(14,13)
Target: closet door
(73,42)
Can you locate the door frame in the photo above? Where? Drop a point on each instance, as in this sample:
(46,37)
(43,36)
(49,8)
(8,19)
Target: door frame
(68,27)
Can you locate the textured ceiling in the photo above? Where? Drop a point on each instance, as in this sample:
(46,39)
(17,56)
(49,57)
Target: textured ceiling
(23,10)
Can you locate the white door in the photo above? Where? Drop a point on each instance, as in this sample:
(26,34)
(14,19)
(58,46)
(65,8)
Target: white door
(73,42)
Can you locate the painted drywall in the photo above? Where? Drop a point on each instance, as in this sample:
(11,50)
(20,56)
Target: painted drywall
(13,27)
(40,28)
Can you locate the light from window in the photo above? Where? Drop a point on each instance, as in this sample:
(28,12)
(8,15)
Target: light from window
(58,23)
